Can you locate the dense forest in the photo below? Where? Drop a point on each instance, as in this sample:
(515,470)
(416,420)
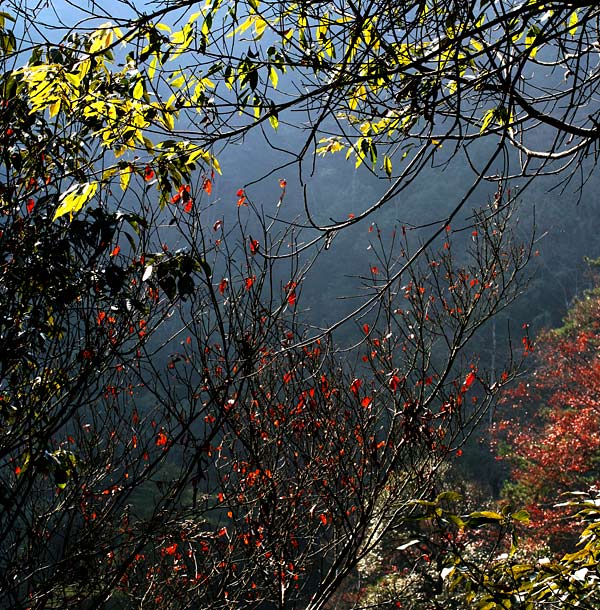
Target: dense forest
(299,305)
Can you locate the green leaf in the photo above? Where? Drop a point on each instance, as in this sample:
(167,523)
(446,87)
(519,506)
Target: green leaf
(479,518)
(522,516)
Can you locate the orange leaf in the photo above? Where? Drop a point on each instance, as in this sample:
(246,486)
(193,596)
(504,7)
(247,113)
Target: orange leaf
(161,439)
(116,251)
(148,173)
(366,402)
(282,183)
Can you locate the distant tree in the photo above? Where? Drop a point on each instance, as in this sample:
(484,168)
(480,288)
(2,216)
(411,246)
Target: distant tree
(550,437)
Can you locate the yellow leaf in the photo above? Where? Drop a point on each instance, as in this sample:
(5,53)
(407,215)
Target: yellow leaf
(273,76)
(243,27)
(178,82)
(152,68)
(259,28)
(124,177)
(168,120)
(387,166)
(74,79)
(573,21)
(54,108)
(75,198)
(138,90)
(488,117)
(476,45)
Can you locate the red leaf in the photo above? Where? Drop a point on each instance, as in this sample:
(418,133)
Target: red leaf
(241,198)
(254,246)
(355,386)
(148,173)
(161,439)
(207,186)
(188,206)
(366,329)
(115,251)
(30,205)
(288,377)
(249,281)
(394,383)
(282,183)
(171,550)
(366,402)
(223,285)
(469,379)
(290,287)
(323,519)
(374,270)
(176,198)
